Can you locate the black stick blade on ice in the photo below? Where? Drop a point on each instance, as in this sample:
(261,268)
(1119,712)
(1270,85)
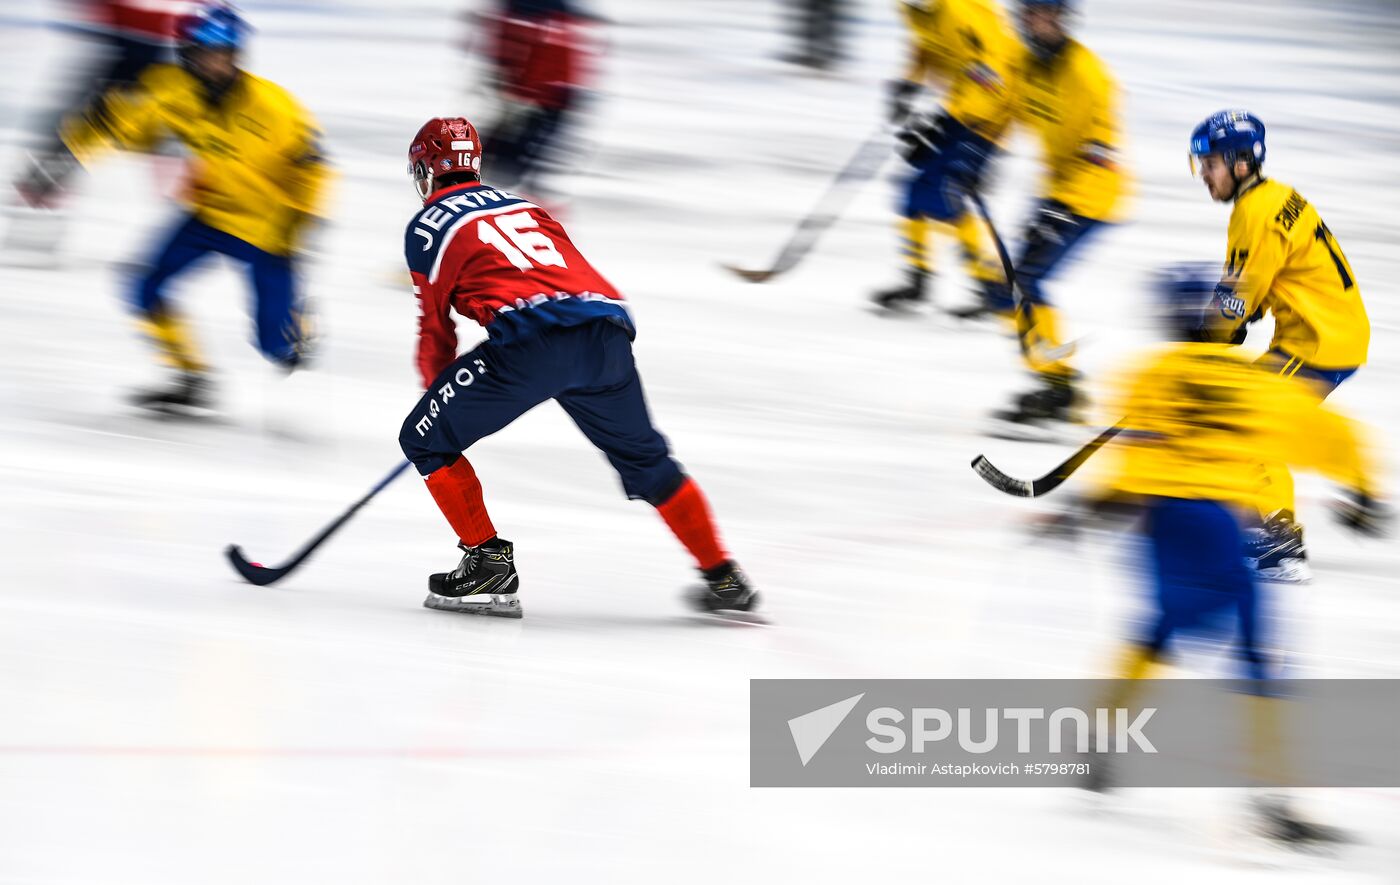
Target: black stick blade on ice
(1034,488)
(261,575)
(255,572)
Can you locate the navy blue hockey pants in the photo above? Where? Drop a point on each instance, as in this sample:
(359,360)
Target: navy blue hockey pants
(1053,233)
(276,306)
(1196,553)
(938,187)
(588,369)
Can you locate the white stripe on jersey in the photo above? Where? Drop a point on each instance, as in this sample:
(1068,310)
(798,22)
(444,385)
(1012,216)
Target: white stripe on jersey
(457,222)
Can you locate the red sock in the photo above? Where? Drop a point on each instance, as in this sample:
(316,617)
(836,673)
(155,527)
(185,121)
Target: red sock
(457,492)
(688,516)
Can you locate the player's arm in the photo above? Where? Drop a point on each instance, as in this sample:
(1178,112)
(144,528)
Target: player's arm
(919,66)
(433,273)
(1093,167)
(437,336)
(1254,262)
(128,119)
(308,176)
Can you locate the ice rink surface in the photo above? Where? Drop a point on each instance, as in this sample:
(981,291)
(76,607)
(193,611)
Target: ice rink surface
(161,722)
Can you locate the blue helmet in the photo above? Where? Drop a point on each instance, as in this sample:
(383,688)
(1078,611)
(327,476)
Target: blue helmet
(1059,5)
(1181,294)
(213,27)
(1234,135)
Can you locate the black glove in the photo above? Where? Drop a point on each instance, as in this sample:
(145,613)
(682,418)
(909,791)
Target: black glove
(901,100)
(1363,514)
(44,178)
(921,139)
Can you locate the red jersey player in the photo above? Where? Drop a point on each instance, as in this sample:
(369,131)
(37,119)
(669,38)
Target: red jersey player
(556,330)
(541,55)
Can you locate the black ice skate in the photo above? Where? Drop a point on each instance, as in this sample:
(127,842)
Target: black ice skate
(188,394)
(484,582)
(726,589)
(905,296)
(1045,414)
(1275,550)
(1278,821)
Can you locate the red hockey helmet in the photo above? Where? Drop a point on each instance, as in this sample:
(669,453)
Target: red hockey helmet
(444,146)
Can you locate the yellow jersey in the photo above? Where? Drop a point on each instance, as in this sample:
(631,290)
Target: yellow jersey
(1201,419)
(257,172)
(967,46)
(1282,259)
(1071,104)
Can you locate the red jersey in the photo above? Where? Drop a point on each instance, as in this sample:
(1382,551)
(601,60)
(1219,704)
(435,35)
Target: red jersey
(150,20)
(541,55)
(502,261)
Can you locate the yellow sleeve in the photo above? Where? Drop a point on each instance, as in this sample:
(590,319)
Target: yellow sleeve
(130,119)
(1255,258)
(1094,165)
(923,62)
(309,175)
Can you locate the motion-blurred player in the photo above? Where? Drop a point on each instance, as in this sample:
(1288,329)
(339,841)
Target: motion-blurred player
(256,183)
(969,46)
(1067,97)
(556,330)
(129,36)
(1281,259)
(541,58)
(1199,416)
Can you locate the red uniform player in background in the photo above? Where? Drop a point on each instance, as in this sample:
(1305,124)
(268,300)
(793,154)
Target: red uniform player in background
(556,330)
(541,55)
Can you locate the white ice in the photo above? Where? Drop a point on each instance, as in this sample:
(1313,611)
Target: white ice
(161,722)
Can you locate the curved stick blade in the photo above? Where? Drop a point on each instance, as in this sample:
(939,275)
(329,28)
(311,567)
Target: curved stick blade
(753,276)
(250,571)
(1000,481)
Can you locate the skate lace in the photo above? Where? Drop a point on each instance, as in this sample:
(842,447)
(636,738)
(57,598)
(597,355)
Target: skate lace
(468,563)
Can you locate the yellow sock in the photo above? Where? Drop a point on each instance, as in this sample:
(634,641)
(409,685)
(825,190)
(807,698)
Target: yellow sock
(971,233)
(915,233)
(1041,335)
(173,340)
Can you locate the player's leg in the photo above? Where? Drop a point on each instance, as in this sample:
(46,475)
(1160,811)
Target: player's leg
(1277,551)
(481,392)
(612,412)
(281,328)
(161,321)
(915,234)
(1193,553)
(984,268)
(1051,238)
(949,159)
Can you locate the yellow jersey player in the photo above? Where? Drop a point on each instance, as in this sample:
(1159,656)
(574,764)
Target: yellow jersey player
(256,182)
(1066,96)
(1281,259)
(1199,416)
(968,46)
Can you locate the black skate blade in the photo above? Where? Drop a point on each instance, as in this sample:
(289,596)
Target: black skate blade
(732,617)
(158,411)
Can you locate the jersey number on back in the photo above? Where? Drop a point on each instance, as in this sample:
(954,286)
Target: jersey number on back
(515,237)
(1324,236)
